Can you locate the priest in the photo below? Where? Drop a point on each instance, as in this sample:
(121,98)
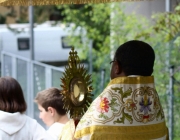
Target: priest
(129,107)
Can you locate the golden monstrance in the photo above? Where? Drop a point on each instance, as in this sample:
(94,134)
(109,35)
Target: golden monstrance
(76,85)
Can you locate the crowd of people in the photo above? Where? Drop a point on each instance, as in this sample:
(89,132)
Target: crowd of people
(127,109)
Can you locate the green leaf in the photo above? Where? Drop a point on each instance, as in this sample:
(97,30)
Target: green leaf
(127,93)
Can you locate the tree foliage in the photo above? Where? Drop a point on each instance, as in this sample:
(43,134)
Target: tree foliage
(20,14)
(167,29)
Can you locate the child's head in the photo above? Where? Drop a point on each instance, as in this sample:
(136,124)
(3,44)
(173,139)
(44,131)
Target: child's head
(11,96)
(50,105)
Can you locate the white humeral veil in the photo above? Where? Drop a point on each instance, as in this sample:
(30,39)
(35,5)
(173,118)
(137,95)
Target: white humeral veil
(128,109)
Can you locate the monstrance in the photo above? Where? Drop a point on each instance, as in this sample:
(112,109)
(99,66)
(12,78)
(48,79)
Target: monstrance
(76,85)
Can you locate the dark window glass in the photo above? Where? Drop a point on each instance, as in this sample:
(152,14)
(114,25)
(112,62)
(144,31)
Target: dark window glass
(65,42)
(23,43)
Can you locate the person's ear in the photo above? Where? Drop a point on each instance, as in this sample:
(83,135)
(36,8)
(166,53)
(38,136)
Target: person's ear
(51,110)
(117,69)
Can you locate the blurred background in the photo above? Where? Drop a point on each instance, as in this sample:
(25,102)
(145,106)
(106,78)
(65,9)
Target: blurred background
(95,31)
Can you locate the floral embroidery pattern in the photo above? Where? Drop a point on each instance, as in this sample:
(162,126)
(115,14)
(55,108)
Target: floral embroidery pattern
(139,105)
(102,105)
(149,106)
(129,105)
(160,112)
(113,104)
(123,94)
(124,115)
(145,106)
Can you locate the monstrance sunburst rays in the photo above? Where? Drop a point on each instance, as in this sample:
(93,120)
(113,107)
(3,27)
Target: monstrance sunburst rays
(76,85)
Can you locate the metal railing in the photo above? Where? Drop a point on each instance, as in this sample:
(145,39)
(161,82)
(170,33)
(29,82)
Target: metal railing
(33,77)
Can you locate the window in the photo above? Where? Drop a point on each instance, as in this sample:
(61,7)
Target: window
(23,44)
(65,43)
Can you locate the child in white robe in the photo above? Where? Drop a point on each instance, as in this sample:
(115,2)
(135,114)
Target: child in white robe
(50,105)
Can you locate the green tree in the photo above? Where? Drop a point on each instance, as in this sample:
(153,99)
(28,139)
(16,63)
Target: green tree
(167,28)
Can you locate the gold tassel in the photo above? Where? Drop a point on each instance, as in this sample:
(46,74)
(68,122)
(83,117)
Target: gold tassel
(56,2)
